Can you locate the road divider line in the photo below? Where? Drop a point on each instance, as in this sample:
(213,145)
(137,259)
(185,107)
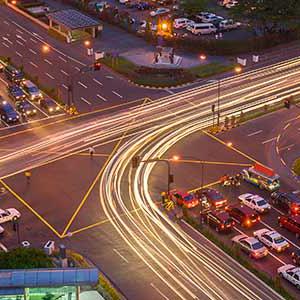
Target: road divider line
(109,77)
(269,140)
(64,86)
(83,85)
(48,61)
(33,64)
(86,101)
(78,69)
(5,22)
(159,291)
(286,147)
(5,45)
(49,75)
(97,81)
(101,97)
(255,133)
(19,54)
(32,51)
(122,256)
(20,31)
(64,72)
(18,42)
(61,58)
(33,40)
(117,94)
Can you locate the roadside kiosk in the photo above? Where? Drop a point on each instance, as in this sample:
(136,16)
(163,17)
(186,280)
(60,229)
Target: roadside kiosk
(263,177)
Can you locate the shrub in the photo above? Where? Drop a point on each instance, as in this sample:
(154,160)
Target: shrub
(296,166)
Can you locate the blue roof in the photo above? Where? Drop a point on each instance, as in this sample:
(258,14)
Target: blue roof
(48,277)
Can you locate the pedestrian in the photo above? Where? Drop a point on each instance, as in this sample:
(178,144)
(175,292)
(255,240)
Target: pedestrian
(28,176)
(91,151)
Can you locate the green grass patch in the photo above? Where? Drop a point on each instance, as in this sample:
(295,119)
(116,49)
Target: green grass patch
(107,291)
(296,166)
(211,69)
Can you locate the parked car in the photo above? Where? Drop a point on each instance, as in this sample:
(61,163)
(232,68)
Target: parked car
(296,257)
(143,25)
(231,4)
(159,11)
(182,23)
(211,18)
(214,198)
(289,202)
(201,28)
(226,25)
(16,93)
(255,202)
(26,108)
(272,239)
(184,199)
(200,17)
(7,215)
(291,274)
(123,1)
(243,215)
(215,20)
(220,220)
(49,105)
(13,75)
(250,245)
(8,113)
(291,223)
(31,90)
(144,6)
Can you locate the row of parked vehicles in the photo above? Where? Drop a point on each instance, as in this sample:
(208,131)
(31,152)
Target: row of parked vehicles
(23,94)
(215,210)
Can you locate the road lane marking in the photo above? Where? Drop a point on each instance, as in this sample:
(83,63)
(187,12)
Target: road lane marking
(33,40)
(102,98)
(61,58)
(19,54)
(117,94)
(64,72)
(32,51)
(49,75)
(20,31)
(286,126)
(109,77)
(5,45)
(159,291)
(84,100)
(48,61)
(255,133)
(5,22)
(21,38)
(18,42)
(122,256)
(64,86)
(7,40)
(78,69)
(35,34)
(33,64)
(282,161)
(269,140)
(169,91)
(83,85)
(97,81)
(287,147)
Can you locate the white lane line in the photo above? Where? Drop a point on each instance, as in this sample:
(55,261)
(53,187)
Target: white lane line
(5,22)
(35,34)
(109,77)
(64,72)
(287,147)
(78,69)
(117,94)
(122,256)
(4,123)
(3,81)
(33,64)
(19,54)
(33,40)
(32,51)
(269,140)
(169,91)
(21,38)
(48,61)
(282,161)
(102,98)
(18,42)
(254,133)
(61,58)
(159,291)
(49,75)
(7,40)
(64,86)
(97,81)
(84,100)
(20,31)
(5,45)
(83,85)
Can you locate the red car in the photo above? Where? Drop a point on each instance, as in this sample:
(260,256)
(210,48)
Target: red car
(215,199)
(243,215)
(291,223)
(185,199)
(220,220)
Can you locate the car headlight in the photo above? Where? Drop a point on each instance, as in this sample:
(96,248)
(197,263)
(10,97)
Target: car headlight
(34,110)
(40,94)
(51,109)
(9,119)
(28,112)
(57,108)
(32,97)
(17,116)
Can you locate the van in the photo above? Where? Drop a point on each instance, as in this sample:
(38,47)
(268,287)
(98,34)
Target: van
(182,23)
(31,90)
(13,75)
(202,28)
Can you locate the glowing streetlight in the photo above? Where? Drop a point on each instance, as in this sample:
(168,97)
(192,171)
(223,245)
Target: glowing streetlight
(87,43)
(229,144)
(202,56)
(175,158)
(14,2)
(45,48)
(238,69)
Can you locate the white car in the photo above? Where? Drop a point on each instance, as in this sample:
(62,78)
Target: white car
(143,25)
(123,1)
(9,214)
(255,202)
(203,15)
(291,274)
(182,23)
(228,25)
(231,4)
(272,239)
(212,18)
(159,11)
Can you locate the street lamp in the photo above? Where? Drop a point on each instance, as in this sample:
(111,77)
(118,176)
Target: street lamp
(87,43)
(45,48)
(202,56)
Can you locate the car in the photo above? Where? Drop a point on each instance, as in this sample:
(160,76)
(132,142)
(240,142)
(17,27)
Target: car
(8,113)
(123,1)
(215,20)
(31,90)
(159,11)
(291,274)
(13,75)
(296,257)
(272,239)
(26,108)
(211,18)
(203,15)
(49,105)
(231,4)
(143,25)
(226,25)
(291,223)
(243,215)
(9,214)
(289,202)
(184,199)
(16,93)
(255,202)
(220,220)
(144,6)
(215,199)
(201,28)
(250,245)
(182,23)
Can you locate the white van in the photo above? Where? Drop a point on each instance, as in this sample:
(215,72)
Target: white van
(202,28)
(182,23)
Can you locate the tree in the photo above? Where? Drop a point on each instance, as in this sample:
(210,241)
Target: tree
(25,258)
(193,7)
(268,16)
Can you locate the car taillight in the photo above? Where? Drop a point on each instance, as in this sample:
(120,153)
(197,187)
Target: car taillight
(232,223)
(248,222)
(258,218)
(222,226)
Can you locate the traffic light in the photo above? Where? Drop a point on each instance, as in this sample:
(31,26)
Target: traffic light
(287,103)
(135,161)
(97,66)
